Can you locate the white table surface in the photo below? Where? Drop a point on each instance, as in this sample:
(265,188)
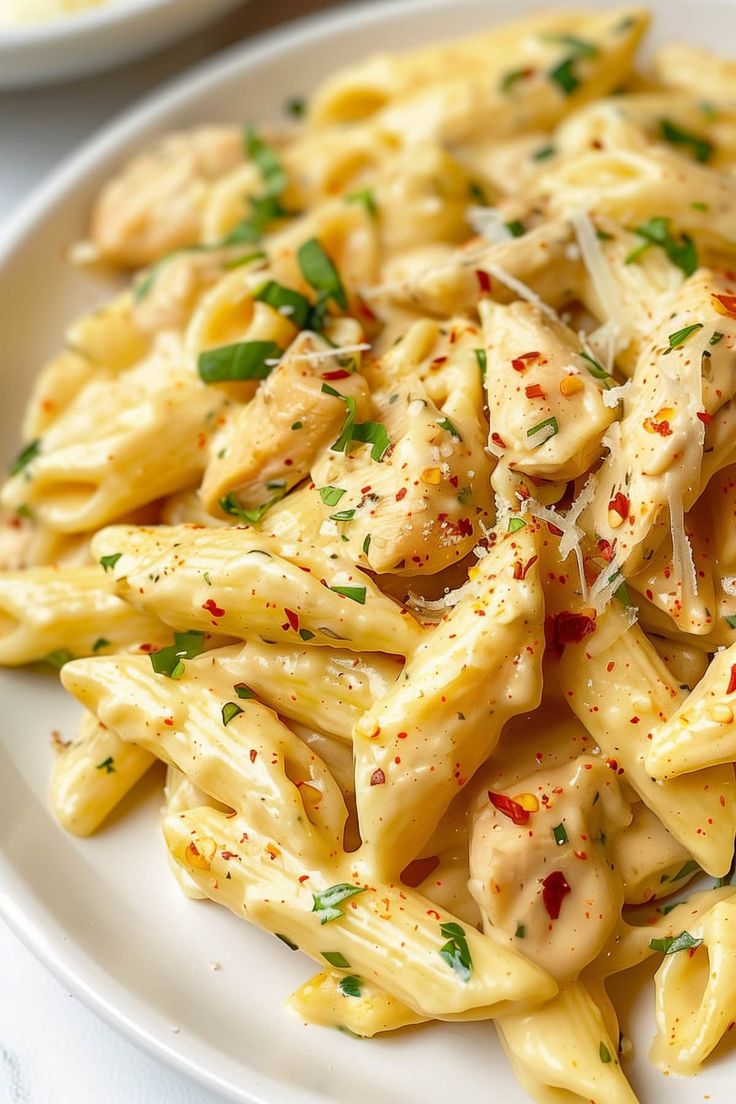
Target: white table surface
(53,1050)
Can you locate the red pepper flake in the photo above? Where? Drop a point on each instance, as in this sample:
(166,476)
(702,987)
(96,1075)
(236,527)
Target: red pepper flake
(705,417)
(606,549)
(484,281)
(169,721)
(620,505)
(337,374)
(378,777)
(634,720)
(498,440)
(229,855)
(363,308)
(554,529)
(612,764)
(439,360)
(528,565)
(732,680)
(510,808)
(401,735)
(567,628)
(401,493)
(252,755)
(292,618)
(534,391)
(728,302)
(663,428)
(212,607)
(554,891)
(519,363)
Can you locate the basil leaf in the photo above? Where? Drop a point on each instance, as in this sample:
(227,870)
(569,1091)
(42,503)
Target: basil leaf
(267,161)
(246,360)
(285,300)
(671,945)
(320,273)
(264,210)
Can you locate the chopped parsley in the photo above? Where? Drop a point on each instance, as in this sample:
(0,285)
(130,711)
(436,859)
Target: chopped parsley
(245,360)
(108,765)
(100,643)
(451,428)
(336,959)
(564,76)
(170,661)
(326,903)
(515,228)
(456,952)
(560,834)
(343,515)
(700,147)
(730,620)
(367,198)
(678,339)
(350,986)
(356,594)
(58,658)
(674,943)
(520,932)
(25,456)
(595,368)
(578,47)
(604,1054)
(656,231)
(243,691)
(543,153)
(516,523)
(510,79)
(374,434)
(230,505)
(110,561)
(230,711)
(331,495)
(716,337)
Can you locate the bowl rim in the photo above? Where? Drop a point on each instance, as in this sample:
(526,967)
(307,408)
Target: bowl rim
(107,16)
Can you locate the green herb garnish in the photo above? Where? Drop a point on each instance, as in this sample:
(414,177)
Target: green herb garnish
(656,231)
(350,986)
(108,765)
(674,943)
(286,301)
(245,360)
(456,952)
(356,594)
(25,456)
(326,903)
(700,147)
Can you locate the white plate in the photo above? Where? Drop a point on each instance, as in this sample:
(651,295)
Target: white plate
(104,914)
(94,40)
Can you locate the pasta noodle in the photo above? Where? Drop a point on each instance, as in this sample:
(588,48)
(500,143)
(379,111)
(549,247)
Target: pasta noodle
(391,507)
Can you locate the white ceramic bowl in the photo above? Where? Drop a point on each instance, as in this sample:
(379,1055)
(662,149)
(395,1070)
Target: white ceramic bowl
(104,914)
(94,40)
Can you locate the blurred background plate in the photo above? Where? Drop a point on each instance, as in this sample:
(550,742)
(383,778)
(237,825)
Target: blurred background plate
(104,913)
(97,38)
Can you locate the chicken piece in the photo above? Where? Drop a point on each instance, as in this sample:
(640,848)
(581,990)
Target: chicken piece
(540,868)
(154,204)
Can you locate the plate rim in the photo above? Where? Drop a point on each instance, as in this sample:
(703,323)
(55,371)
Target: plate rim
(16,909)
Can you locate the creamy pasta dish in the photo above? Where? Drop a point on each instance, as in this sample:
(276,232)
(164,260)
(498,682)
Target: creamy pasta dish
(391,506)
